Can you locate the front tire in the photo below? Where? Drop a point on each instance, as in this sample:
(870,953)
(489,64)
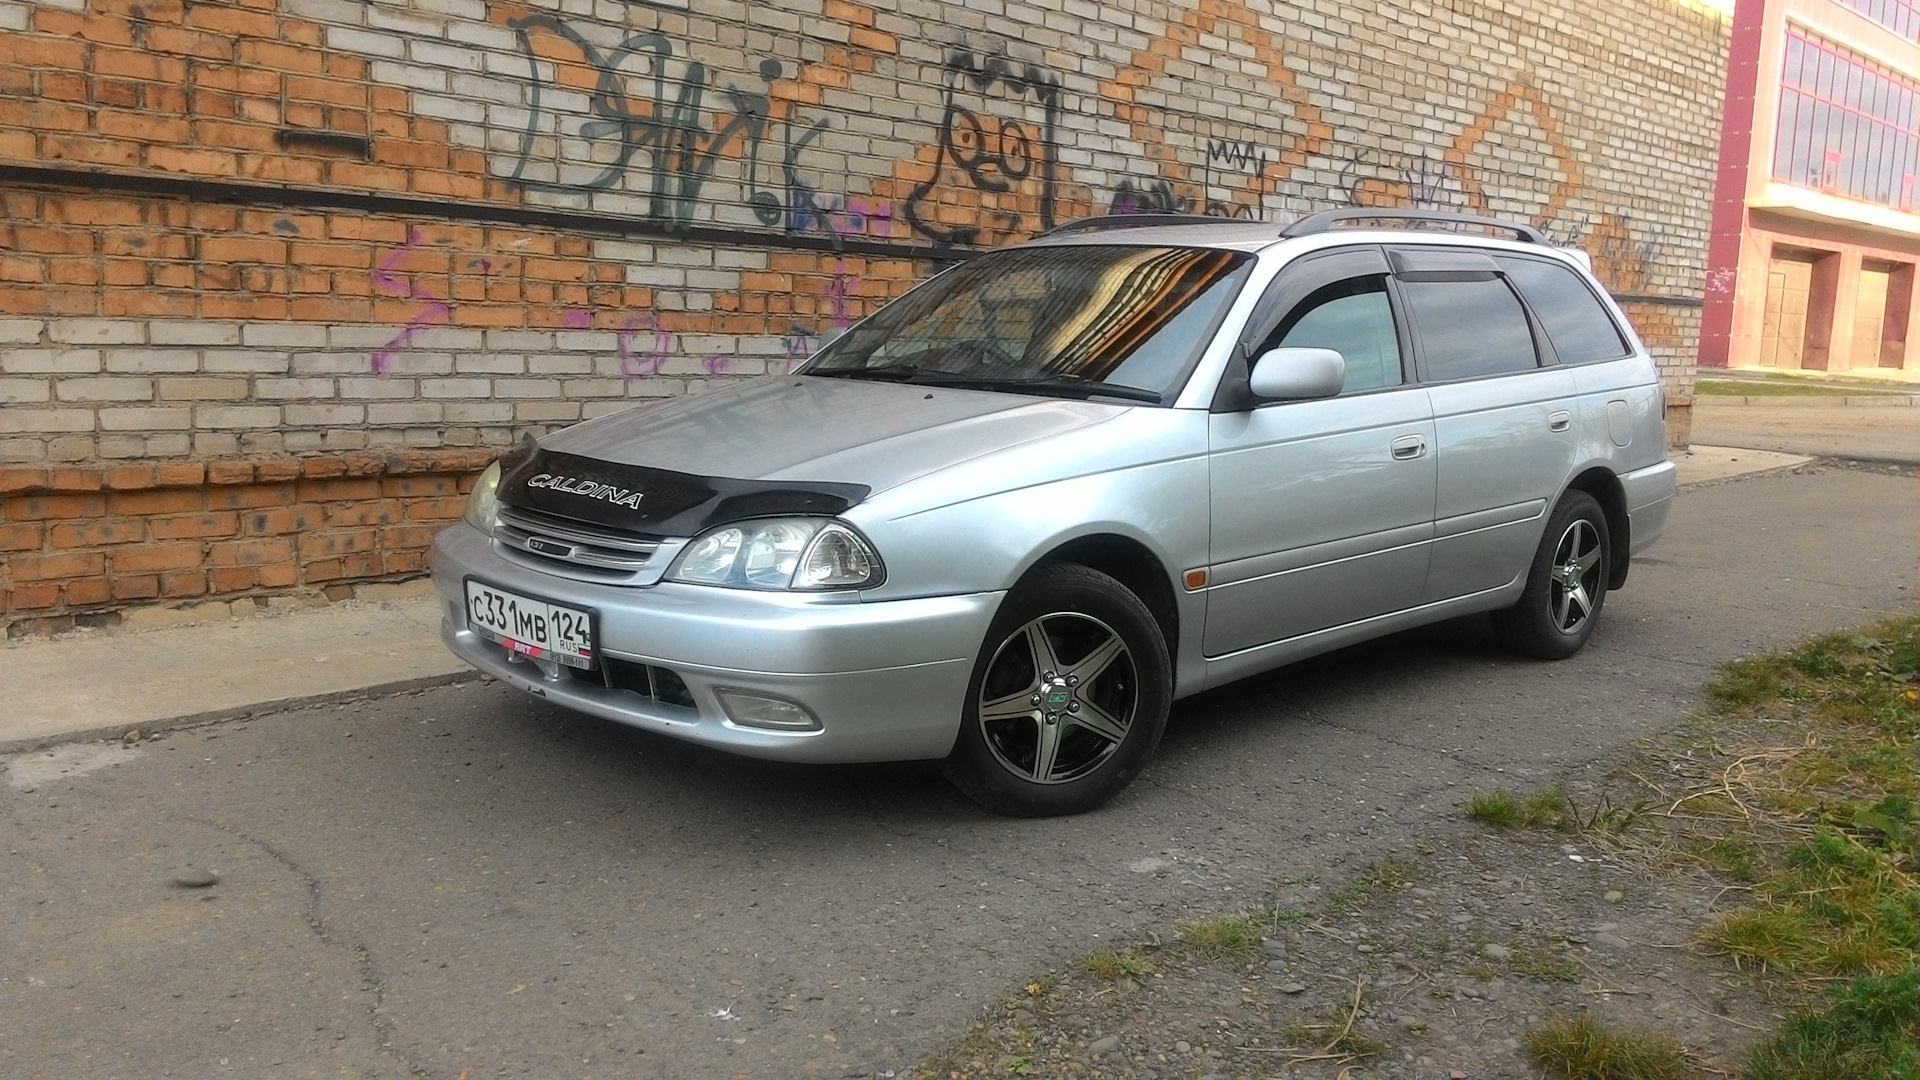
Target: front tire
(1566,585)
(1068,698)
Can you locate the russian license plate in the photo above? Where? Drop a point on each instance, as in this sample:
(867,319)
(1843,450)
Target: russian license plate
(535,628)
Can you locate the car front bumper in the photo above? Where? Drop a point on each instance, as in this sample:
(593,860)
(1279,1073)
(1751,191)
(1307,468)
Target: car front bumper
(887,680)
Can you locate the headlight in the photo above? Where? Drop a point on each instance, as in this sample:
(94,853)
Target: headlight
(484,500)
(780,553)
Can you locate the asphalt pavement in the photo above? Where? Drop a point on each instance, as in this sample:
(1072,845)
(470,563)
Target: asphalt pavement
(459,879)
(1866,429)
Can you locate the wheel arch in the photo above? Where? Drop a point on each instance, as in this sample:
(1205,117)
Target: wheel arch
(1601,483)
(1132,564)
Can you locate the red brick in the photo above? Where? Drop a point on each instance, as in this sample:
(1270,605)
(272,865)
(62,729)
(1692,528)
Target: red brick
(132,477)
(230,472)
(96,533)
(174,501)
(70,564)
(194,526)
(284,519)
(183,583)
(230,579)
(322,570)
(406,562)
(136,587)
(339,490)
(420,485)
(15,479)
(435,509)
(34,597)
(250,552)
(48,507)
(89,591)
(408,536)
(156,557)
(182,474)
(279,576)
(336,542)
(363,513)
(276,471)
(319,468)
(75,480)
(23,537)
(251,496)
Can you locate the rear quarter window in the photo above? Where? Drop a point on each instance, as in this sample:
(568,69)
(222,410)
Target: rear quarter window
(1576,323)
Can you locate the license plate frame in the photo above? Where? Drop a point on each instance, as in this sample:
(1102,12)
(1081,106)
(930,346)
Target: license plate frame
(533,626)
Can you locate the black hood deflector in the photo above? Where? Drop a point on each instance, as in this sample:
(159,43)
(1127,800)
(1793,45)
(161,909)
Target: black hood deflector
(670,504)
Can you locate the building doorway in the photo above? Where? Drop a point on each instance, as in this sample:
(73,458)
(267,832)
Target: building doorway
(1783,328)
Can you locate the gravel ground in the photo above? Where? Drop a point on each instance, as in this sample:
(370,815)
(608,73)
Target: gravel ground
(1453,955)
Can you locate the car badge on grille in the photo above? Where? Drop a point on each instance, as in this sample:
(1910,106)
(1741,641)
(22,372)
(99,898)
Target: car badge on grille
(587,489)
(548,547)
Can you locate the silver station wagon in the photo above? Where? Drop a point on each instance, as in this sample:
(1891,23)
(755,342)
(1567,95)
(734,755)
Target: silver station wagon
(1008,519)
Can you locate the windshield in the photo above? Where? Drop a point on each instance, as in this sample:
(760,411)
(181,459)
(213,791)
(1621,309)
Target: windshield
(1076,321)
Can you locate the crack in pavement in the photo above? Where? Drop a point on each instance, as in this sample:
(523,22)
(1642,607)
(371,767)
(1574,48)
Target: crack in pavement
(371,980)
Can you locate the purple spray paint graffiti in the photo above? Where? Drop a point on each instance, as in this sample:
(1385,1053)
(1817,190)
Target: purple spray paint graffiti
(435,311)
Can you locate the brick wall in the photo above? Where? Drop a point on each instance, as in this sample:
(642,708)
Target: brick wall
(295,230)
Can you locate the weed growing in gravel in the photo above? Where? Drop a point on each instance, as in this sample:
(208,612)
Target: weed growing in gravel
(1222,935)
(1867,1028)
(1388,873)
(1117,965)
(1547,809)
(1582,1048)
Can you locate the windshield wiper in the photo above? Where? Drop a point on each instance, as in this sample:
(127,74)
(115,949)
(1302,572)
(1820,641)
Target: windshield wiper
(879,372)
(1074,386)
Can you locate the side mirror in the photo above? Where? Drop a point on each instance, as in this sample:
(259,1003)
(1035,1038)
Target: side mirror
(1298,374)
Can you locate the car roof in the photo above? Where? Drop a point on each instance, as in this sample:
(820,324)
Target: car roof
(1313,231)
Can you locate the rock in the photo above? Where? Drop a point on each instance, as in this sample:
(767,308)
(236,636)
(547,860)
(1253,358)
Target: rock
(193,877)
(1276,965)
(1495,952)
(1293,988)
(1614,896)
(1273,947)
(1459,920)
(131,736)
(1106,1044)
(1183,1047)
(1611,941)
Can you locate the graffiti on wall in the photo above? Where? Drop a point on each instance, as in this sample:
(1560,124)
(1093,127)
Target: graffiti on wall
(991,175)
(637,119)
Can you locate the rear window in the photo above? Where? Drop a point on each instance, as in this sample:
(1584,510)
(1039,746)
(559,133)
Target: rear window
(1470,328)
(1576,323)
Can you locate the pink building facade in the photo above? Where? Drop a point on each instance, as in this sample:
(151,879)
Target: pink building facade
(1815,238)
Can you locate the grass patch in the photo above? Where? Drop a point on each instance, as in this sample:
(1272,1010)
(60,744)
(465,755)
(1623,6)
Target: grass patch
(1222,935)
(1758,388)
(1579,1047)
(1388,873)
(1116,965)
(1548,809)
(1866,1029)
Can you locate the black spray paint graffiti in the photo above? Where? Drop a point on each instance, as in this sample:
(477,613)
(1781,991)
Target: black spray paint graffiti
(988,137)
(1226,158)
(669,133)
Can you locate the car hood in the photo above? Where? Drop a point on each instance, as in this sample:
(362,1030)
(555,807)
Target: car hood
(787,427)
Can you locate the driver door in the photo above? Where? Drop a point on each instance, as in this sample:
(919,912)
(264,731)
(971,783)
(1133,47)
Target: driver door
(1322,510)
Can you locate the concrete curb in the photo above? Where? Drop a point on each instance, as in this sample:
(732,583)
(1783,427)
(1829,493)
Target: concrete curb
(1807,401)
(238,712)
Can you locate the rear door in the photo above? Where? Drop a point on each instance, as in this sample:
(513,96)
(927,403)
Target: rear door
(1322,510)
(1505,416)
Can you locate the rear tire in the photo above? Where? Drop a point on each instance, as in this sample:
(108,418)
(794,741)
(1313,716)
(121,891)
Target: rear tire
(1566,585)
(1068,698)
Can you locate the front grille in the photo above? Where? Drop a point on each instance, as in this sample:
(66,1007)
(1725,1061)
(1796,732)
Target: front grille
(646,680)
(575,543)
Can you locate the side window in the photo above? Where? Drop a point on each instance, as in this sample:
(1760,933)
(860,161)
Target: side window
(1353,318)
(1470,328)
(1576,323)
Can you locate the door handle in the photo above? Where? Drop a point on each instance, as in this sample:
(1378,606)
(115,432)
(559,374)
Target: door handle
(1560,421)
(1408,447)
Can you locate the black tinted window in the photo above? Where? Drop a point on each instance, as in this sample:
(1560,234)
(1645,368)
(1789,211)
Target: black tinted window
(1470,328)
(1578,326)
(1352,318)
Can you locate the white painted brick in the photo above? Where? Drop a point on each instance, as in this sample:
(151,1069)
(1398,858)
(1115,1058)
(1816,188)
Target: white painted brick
(277,389)
(181,332)
(152,361)
(256,360)
(25,391)
(378,387)
(578,364)
(365,42)
(526,388)
(49,361)
(361,337)
(148,418)
(451,57)
(489,413)
(108,389)
(21,331)
(410,75)
(284,335)
(520,340)
(455,388)
(586,341)
(528,412)
(324,415)
(449,108)
(490,364)
(404,412)
(15,16)
(337,12)
(97,331)
(236,416)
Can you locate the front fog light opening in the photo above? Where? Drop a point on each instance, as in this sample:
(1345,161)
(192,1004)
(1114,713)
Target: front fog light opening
(768,713)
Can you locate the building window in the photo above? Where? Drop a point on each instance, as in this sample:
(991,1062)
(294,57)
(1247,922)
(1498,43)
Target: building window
(1900,16)
(1846,127)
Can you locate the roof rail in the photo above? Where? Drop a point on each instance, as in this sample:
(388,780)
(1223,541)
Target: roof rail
(1327,219)
(1102,222)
